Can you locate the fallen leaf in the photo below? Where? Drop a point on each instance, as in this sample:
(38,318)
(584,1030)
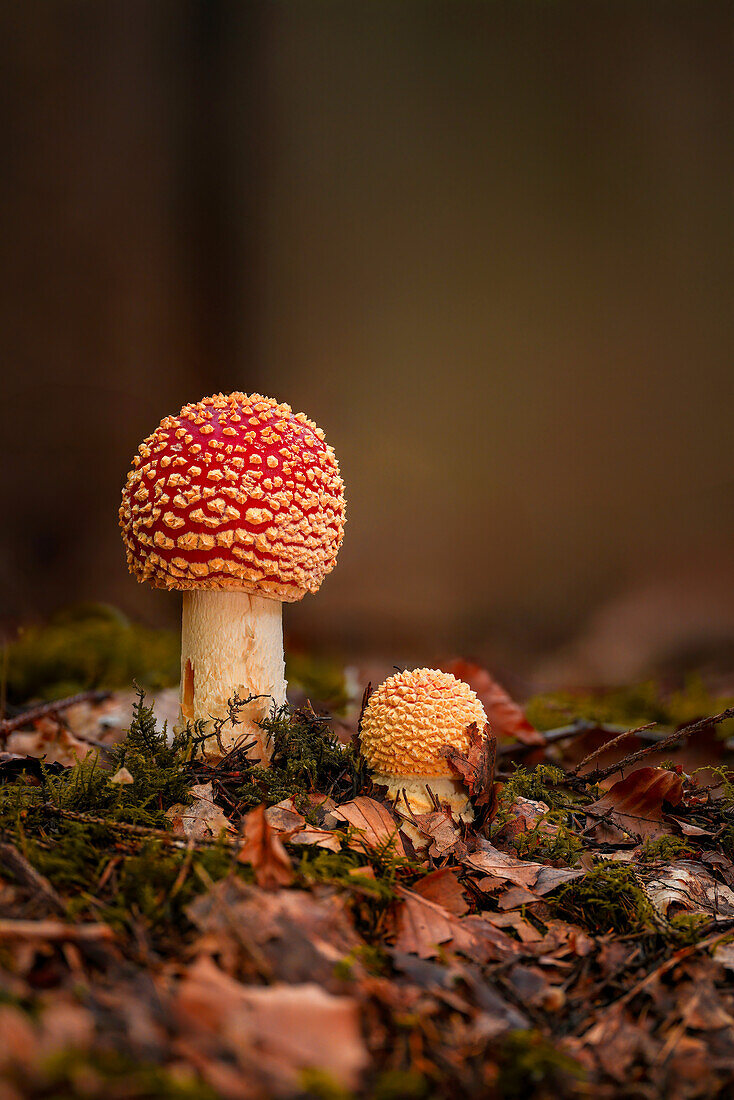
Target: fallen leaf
(704,1011)
(444,888)
(203,819)
(272,1033)
(422,926)
(49,741)
(123,777)
(376,825)
(724,954)
(505,717)
(476,766)
(442,830)
(295,935)
(524,816)
(500,866)
(686,886)
(284,818)
(264,849)
(617,1042)
(634,804)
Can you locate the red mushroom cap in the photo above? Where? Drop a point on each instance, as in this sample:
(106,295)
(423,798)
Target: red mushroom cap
(234,492)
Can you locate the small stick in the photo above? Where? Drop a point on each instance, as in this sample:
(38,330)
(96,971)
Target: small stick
(610,745)
(16,862)
(7,725)
(684,731)
(54,930)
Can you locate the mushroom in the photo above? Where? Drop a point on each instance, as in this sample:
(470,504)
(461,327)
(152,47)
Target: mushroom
(237,502)
(407,721)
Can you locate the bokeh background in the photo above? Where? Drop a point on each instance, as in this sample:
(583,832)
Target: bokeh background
(486,246)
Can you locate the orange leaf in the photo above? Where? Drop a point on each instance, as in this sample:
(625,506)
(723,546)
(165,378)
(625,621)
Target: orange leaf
(444,888)
(476,767)
(264,849)
(635,804)
(376,824)
(506,718)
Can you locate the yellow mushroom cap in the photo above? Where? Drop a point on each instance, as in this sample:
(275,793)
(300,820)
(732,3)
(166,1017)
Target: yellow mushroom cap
(411,716)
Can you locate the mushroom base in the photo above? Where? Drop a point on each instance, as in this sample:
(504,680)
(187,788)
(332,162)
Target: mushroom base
(231,643)
(412,794)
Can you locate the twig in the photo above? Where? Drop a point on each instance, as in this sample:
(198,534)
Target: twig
(136,830)
(7,725)
(610,745)
(684,731)
(54,930)
(16,862)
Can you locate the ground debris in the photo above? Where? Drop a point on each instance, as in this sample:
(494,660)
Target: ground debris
(176,927)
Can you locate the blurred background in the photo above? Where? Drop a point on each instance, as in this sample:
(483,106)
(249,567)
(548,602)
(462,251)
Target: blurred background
(486,246)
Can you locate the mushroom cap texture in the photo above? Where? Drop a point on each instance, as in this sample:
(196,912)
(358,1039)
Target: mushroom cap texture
(410,717)
(237,492)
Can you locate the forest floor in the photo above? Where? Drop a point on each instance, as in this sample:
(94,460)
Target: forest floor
(172,926)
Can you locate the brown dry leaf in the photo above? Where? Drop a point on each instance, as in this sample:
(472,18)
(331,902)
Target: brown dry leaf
(475,767)
(285,818)
(688,887)
(704,1011)
(724,954)
(374,821)
(203,819)
(49,741)
(634,804)
(501,867)
(444,888)
(443,831)
(505,717)
(422,926)
(295,935)
(525,931)
(272,1033)
(524,816)
(264,849)
(617,1042)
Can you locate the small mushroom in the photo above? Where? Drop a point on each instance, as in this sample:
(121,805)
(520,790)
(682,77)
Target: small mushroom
(407,721)
(237,502)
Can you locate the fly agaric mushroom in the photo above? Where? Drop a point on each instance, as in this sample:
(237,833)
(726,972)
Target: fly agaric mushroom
(407,721)
(237,502)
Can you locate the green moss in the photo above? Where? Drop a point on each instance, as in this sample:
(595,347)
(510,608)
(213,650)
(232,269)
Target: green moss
(665,848)
(542,784)
(397,1084)
(85,1075)
(320,1085)
(319,678)
(607,899)
(306,757)
(630,706)
(559,846)
(371,958)
(529,1066)
(147,883)
(686,929)
(92,646)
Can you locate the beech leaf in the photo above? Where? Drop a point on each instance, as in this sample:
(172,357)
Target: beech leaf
(264,849)
(505,716)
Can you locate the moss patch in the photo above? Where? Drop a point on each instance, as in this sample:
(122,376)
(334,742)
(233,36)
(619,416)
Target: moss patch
(608,899)
(631,706)
(91,646)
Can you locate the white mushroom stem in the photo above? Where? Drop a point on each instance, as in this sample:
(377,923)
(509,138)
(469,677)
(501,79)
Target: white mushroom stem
(412,793)
(412,796)
(231,643)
